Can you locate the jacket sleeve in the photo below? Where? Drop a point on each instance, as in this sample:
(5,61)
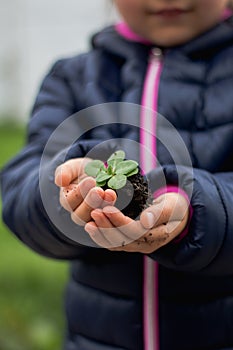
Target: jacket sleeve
(24,209)
(208,246)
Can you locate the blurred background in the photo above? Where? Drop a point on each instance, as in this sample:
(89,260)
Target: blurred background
(33,34)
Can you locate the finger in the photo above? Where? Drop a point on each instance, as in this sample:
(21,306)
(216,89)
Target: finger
(156,215)
(171,208)
(82,214)
(174,228)
(134,247)
(96,235)
(116,217)
(69,171)
(159,236)
(154,238)
(112,235)
(72,195)
(110,198)
(130,228)
(150,242)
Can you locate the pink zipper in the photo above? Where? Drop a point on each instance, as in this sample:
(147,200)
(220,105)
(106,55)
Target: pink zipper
(148,161)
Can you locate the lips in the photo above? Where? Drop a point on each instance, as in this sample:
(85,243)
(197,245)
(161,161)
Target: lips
(169,12)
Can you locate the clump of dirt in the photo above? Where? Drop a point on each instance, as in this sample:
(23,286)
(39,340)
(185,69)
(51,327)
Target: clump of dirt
(134,197)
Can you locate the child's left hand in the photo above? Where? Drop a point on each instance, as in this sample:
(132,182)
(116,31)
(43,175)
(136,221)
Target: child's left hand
(159,224)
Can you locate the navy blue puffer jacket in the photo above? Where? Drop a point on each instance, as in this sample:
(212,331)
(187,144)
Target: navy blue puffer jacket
(104,299)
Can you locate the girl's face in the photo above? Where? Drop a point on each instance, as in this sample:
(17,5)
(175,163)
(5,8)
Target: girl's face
(171,22)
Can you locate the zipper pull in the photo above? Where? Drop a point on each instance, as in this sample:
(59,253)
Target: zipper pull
(156,54)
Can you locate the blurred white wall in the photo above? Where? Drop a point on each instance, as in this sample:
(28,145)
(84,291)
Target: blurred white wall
(33,34)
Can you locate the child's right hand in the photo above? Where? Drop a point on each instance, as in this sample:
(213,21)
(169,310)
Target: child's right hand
(79,194)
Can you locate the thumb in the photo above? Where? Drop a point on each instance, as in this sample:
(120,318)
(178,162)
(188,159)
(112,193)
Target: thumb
(168,207)
(149,218)
(70,171)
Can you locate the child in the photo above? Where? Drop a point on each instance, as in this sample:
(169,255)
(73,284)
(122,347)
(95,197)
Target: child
(175,289)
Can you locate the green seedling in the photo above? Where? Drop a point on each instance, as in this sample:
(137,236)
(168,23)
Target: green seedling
(114,172)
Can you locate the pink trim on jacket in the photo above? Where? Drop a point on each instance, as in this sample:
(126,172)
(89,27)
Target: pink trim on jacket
(148,118)
(151,269)
(227,13)
(148,162)
(171,188)
(124,30)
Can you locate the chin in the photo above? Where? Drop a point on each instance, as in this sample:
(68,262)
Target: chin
(171,38)
(170,42)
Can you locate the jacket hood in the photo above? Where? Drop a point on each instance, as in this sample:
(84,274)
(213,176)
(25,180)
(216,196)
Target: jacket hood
(114,43)
(205,45)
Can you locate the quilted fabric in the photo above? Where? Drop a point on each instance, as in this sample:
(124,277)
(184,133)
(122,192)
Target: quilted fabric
(104,295)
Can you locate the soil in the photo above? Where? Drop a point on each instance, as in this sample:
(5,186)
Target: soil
(134,197)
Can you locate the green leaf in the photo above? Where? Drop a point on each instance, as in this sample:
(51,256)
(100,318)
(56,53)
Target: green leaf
(109,170)
(117,182)
(112,164)
(101,184)
(134,172)
(92,168)
(126,167)
(117,154)
(102,176)
(114,159)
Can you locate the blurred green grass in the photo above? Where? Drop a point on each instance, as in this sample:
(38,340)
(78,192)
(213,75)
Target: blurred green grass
(31,286)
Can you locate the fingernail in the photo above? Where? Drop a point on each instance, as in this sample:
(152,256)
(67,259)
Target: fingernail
(95,213)
(90,229)
(96,195)
(150,219)
(110,210)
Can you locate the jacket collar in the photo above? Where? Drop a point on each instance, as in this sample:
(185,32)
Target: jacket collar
(212,41)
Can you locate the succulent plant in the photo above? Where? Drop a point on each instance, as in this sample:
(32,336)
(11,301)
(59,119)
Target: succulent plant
(114,172)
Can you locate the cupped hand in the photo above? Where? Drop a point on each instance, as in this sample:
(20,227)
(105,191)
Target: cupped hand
(78,192)
(158,225)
